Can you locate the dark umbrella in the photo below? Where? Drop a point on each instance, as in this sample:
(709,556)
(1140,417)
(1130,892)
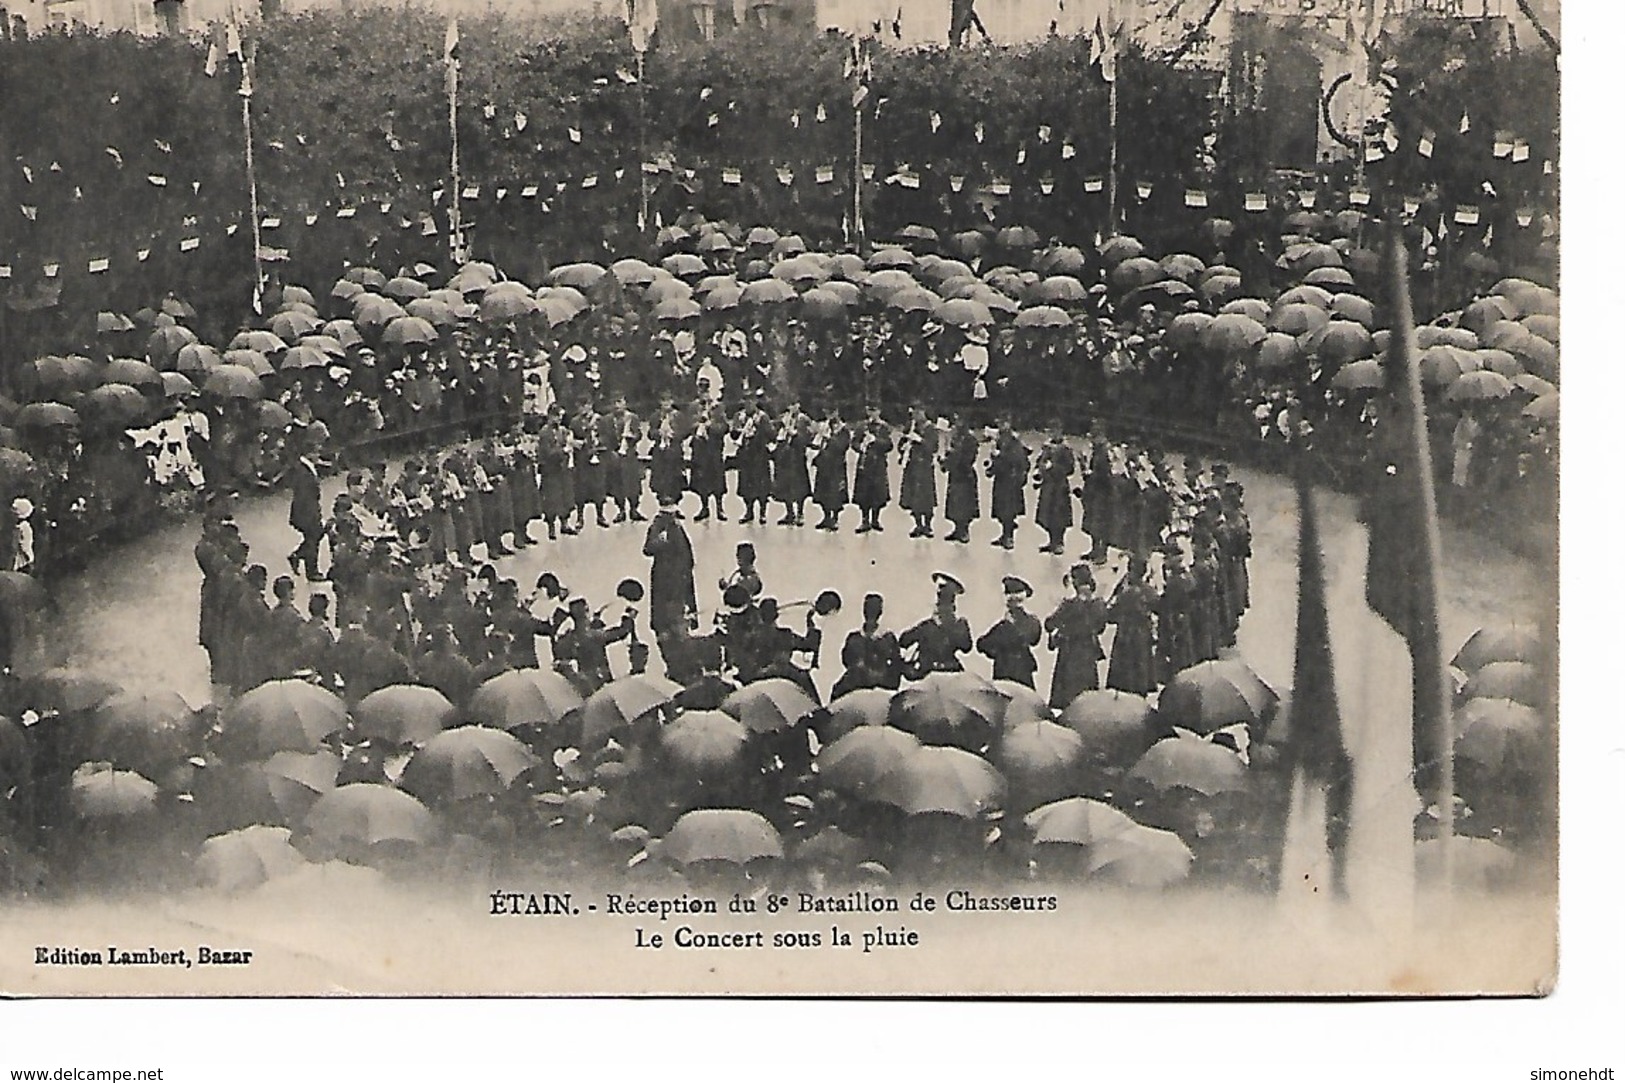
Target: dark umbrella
(863,707)
(1077,821)
(857,761)
(524,697)
(1115,726)
(195,359)
(403,714)
(616,705)
(733,836)
(232,382)
(945,780)
(63,689)
(131,373)
(252,360)
(21,592)
(364,814)
(1362,375)
(949,708)
(39,416)
(1519,681)
(1210,696)
(281,790)
(1499,643)
(1144,857)
(705,742)
(278,716)
(1191,763)
(770,705)
(470,761)
(1501,735)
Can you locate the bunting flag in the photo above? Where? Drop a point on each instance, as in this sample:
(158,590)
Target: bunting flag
(1104,45)
(211,63)
(642,19)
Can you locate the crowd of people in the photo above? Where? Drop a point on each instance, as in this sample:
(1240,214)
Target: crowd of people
(412,590)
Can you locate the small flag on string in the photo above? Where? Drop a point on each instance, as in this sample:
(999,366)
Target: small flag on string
(1094,184)
(1046,185)
(270,223)
(383,208)
(1526,215)
(1488,189)
(705,93)
(30,213)
(824,174)
(471,191)
(619,173)
(999,187)
(141,254)
(651,168)
(785,176)
(1412,205)
(51,269)
(163,148)
(1144,189)
(113,153)
(28,174)
(1502,147)
(868,171)
(1306,199)
(575,135)
(1466,214)
(189,244)
(5,270)
(711,120)
(1068,152)
(1359,197)
(1520,151)
(1390,139)
(1255,202)
(731,176)
(231,230)
(1021,156)
(157,180)
(97,266)
(820,116)
(1043,133)
(1466,124)
(528,192)
(1424,146)
(908,179)
(1194,197)
(1547,167)
(590,181)
(344,212)
(957,182)
(429,228)
(980,132)
(936,121)
(1374,152)
(520,120)
(1489,235)
(502,193)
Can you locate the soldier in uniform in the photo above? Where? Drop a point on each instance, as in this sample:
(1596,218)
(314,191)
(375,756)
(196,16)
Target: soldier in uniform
(1008,469)
(919,484)
(1176,645)
(671,576)
(753,431)
(707,475)
(791,483)
(872,656)
(1056,465)
(590,476)
(831,442)
(555,450)
(1010,642)
(623,472)
(871,488)
(939,640)
(666,432)
(1131,607)
(964,501)
(583,646)
(1074,635)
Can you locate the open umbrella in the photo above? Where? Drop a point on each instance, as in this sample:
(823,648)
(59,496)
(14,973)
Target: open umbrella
(1167,294)
(232,382)
(1543,410)
(60,688)
(99,792)
(370,277)
(1251,307)
(469,761)
(363,814)
(770,705)
(278,716)
(1501,734)
(413,330)
(345,332)
(1520,681)
(1349,306)
(131,373)
(1499,361)
(146,732)
(280,790)
(1043,316)
(405,289)
(767,291)
(1134,272)
(960,709)
(1185,330)
(1212,695)
(1021,704)
(1278,351)
(274,417)
(684,264)
(195,359)
(264,342)
(523,697)
(1058,289)
(1306,295)
(289,326)
(1144,857)
(494,308)
(1533,386)
(1363,375)
(1434,335)
(889,259)
(1480,386)
(438,312)
(1298,318)
(372,310)
(1232,334)
(1220,286)
(676,309)
(943,780)
(1182,265)
(1543,326)
(1442,366)
(912,299)
(252,360)
(61,375)
(859,708)
(667,288)
(1038,758)
(1077,821)
(41,416)
(616,705)
(115,406)
(247,857)
(305,357)
(1499,643)
(1116,249)
(705,742)
(403,714)
(165,342)
(1332,277)
(820,303)
(724,298)
(631,272)
(1191,763)
(803,270)
(1115,726)
(1487,310)
(855,762)
(1339,341)
(346,290)
(734,836)
(113,323)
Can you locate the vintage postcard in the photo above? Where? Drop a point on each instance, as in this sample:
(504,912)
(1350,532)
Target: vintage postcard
(804,497)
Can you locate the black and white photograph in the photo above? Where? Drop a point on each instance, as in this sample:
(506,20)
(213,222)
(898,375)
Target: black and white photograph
(798,497)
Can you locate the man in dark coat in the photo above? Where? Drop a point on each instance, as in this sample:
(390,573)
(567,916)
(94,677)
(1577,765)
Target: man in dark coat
(939,640)
(871,489)
(830,490)
(305,516)
(671,575)
(584,645)
(1098,506)
(1008,469)
(753,429)
(1074,635)
(792,484)
(666,431)
(1133,661)
(442,668)
(623,472)
(964,501)
(590,476)
(707,473)
(1176,640)
(283,634)
(872,656)
(1010,642)
(919,485)
(1056,465)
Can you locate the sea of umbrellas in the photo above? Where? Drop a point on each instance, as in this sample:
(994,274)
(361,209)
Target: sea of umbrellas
(1318,341)
(951,773)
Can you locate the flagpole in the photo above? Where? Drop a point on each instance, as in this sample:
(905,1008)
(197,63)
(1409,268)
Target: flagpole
(455,214)
(857,151)
(1111,179)
(643,148)
(253,184)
